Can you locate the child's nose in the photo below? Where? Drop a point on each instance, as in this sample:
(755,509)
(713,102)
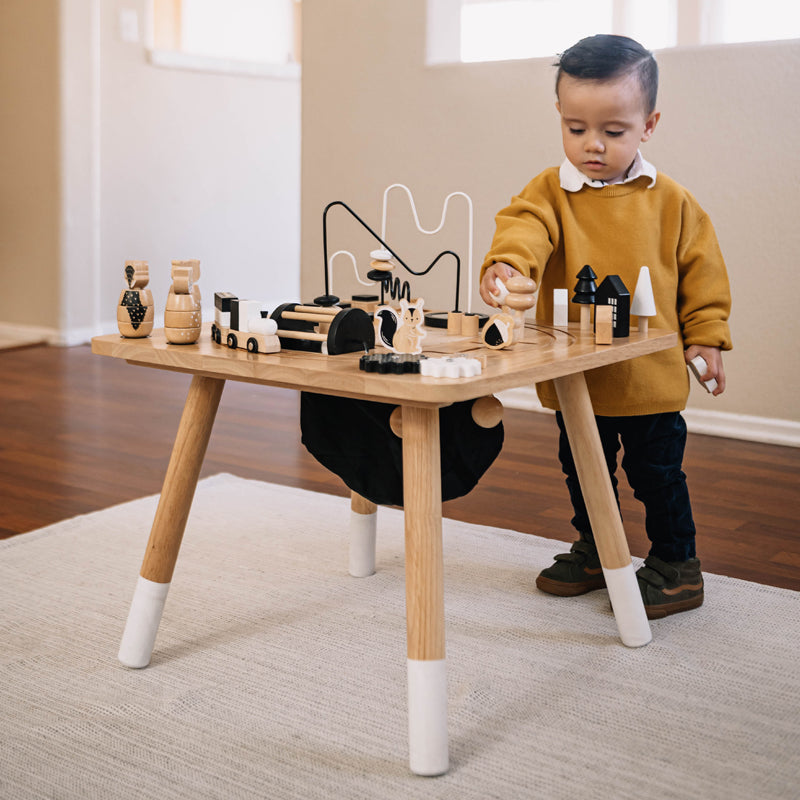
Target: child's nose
(594,144)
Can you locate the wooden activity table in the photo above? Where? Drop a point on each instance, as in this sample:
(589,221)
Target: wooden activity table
(560,354)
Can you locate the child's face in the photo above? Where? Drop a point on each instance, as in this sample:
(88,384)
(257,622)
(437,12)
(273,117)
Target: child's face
(602,124)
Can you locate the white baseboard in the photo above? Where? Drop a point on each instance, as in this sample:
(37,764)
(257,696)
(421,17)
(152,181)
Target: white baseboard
(711,423)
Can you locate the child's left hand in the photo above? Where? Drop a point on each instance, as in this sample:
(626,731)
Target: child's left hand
(713,358)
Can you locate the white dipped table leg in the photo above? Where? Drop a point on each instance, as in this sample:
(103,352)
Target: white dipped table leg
(427,717)
(141,628)
(626,602)
(363,531)
(601,504)
(427,670)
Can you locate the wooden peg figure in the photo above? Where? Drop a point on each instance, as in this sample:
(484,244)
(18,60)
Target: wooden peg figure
(182,315)
(135,310)
(521,297)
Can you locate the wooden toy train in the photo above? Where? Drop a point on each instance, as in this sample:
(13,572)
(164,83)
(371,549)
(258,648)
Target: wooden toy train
(291,326)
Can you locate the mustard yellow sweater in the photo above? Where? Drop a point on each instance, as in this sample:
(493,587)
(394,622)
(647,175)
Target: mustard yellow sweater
(548,234)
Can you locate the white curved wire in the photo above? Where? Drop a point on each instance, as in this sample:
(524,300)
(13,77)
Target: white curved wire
(436,230)
(355,269)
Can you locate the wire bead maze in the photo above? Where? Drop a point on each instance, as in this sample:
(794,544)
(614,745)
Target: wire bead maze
(380,274)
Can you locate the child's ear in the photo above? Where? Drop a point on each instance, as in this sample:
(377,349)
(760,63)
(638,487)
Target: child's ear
(650,125)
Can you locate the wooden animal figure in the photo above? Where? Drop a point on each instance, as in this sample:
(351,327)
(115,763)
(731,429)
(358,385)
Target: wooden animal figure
(401,332)
(135,310)
(498,332)
(182,315)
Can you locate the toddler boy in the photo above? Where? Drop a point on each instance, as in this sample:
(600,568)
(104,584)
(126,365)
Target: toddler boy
(606,206)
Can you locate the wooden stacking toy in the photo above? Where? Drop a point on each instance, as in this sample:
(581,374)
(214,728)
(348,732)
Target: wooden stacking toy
(182,315)
(135,310)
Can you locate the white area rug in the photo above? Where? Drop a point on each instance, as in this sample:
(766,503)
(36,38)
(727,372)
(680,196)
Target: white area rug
(276,675)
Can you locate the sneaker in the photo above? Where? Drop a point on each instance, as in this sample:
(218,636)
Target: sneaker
(669,588)
(574,573)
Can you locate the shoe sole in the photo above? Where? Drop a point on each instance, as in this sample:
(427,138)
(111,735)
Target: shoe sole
(564,589)
(665,609)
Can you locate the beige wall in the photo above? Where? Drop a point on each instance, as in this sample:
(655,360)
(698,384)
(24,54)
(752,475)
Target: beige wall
(29,162)
(107,157)
(374,114)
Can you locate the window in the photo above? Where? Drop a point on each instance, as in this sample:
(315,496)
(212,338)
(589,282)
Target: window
(498,30)
(257,36)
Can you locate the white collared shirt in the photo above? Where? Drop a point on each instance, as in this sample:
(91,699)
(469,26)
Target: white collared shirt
(573,180)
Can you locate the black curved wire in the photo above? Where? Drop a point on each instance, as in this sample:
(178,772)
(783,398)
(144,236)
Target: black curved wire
(400,260)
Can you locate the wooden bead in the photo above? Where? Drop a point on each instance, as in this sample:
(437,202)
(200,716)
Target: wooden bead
(396,422)
(487,411)
(521,285)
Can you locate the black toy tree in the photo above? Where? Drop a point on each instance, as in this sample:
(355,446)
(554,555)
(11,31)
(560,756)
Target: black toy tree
(585,290)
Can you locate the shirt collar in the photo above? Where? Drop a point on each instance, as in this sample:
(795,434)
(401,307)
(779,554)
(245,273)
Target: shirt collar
(573,180)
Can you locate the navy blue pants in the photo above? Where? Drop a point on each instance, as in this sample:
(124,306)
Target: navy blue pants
(653,454)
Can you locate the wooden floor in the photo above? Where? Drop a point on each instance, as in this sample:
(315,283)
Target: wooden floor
(79,433)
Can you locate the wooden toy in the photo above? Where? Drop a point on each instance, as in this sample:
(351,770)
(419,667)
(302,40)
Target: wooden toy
(613,292)
(391,363)
(560,308)
(521,297)
(135,310)
(182,314)
(644,304)
(698,366)
(498,332)
(585,290)
(470,324)
(327,330)
(603,324)
(243,324)
(401,332)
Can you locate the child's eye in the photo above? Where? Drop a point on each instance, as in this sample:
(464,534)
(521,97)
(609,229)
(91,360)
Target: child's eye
(614,134)
(576,131)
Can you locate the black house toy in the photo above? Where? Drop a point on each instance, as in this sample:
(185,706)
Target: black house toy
(612,292)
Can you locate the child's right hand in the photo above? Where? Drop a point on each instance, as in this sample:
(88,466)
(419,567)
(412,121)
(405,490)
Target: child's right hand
(489,288)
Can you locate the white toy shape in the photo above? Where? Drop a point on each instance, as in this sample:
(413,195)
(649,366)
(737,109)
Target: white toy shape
(643,304)
(699,366)
(450,367)
(560,308)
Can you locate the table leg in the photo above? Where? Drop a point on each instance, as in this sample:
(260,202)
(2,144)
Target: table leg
(427,670)
(363,525)
(601,504)
(166,534)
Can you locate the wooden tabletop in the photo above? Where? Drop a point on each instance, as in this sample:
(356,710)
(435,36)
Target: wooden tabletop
(545,353)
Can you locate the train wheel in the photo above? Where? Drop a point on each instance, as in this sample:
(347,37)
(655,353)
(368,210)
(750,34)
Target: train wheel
(232,341)
(252,345)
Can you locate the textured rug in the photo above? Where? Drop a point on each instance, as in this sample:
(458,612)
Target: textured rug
(276,675)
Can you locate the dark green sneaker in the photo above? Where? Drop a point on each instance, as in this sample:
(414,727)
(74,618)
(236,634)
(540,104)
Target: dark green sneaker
(670,587)
(574,573)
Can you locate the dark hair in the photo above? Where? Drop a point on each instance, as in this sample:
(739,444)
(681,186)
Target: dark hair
(605,57)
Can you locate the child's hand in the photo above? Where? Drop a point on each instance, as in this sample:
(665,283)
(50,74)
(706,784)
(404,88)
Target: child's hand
(713,358)
(489,288)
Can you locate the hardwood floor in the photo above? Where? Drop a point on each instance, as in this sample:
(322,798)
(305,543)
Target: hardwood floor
(80,432)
